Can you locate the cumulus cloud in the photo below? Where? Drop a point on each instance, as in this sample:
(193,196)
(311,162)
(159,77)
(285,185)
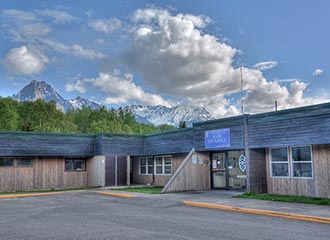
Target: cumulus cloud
(25,61)
(74,50)
(105,25)
(265,65)
(317,72)
(175,56)
(121,89)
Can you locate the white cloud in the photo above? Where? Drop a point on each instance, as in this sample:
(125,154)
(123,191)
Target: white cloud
(265,65)
(121,89)
(78,86)
(105,25)
(19,16)
(25,61)
(317,72)
(57,16)
(174,56)
(74,50)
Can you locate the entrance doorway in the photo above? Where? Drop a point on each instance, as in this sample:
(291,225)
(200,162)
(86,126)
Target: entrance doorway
(226,173)
(115,170)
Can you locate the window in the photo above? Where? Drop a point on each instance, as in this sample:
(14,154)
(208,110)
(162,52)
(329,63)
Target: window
(146,165)
(75,165)
(23,162)
(279,162)
(15,162)
(161,165)
(6,162)
(302,162)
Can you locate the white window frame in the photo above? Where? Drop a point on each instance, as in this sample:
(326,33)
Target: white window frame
(287,162)
(147,165)
(310,162)
(163,166)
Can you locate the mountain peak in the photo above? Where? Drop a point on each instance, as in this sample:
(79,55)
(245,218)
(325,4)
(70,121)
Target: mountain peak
(157,115)
(160,115)
(41,90)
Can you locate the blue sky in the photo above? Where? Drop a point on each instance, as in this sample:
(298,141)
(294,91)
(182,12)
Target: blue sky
(170,52)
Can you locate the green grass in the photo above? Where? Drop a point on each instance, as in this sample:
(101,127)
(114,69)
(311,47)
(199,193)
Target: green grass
(282,198)
(47,190)
(148,190)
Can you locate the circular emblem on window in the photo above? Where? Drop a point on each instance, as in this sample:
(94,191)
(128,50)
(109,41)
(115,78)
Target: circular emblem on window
(242,163)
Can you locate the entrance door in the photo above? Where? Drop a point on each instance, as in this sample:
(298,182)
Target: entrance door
(115,170)
(219,171)
(225,171)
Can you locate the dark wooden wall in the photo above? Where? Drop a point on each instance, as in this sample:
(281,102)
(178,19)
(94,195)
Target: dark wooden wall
(45,144)
(180,141)
(119,144)
(300,126)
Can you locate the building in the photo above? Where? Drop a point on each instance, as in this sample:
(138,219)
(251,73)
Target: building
(284,152)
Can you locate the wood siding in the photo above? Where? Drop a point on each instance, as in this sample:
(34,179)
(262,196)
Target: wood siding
(45,173)
(160,180)
(119,144)
(193,176)
(45,144)
(290,132)
(257,168)
(179,141)
(319,186)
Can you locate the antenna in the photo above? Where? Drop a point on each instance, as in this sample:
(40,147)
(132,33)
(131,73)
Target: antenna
(241,101)
(275,105)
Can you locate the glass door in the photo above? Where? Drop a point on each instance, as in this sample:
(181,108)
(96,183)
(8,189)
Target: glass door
(236,176)
(219,171)
(226,172)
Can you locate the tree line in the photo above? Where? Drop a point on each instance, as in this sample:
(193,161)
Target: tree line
(39,116)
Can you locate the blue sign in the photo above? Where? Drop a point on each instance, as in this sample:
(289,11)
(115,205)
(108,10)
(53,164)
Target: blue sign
(219,138)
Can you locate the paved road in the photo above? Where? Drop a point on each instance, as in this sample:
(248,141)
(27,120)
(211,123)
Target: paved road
(87,215)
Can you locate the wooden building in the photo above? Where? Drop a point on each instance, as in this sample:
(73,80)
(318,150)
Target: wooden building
(283,152)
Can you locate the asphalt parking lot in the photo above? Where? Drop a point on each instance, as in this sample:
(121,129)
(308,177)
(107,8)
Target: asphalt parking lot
(87,215)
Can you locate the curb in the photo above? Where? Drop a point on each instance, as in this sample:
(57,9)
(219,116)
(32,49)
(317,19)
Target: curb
(29,195)
(120,195)
(259,212)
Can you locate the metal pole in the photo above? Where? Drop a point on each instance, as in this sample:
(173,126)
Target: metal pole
(116,171)
(241,101)
(128,170)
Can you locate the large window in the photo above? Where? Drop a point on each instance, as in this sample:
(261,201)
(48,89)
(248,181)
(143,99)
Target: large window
(302,162)
(146,165)
(298,158)
(279,162)
(15,162)
(75,165)
(160,165)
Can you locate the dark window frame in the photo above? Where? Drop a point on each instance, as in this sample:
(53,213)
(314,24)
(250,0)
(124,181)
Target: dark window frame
(84,169)
(15,161)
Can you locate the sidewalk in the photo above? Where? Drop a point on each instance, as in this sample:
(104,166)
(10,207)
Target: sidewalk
(225,198)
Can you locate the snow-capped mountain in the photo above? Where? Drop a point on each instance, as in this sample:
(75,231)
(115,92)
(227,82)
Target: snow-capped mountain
(80,102)
(159,115)
(42,90)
